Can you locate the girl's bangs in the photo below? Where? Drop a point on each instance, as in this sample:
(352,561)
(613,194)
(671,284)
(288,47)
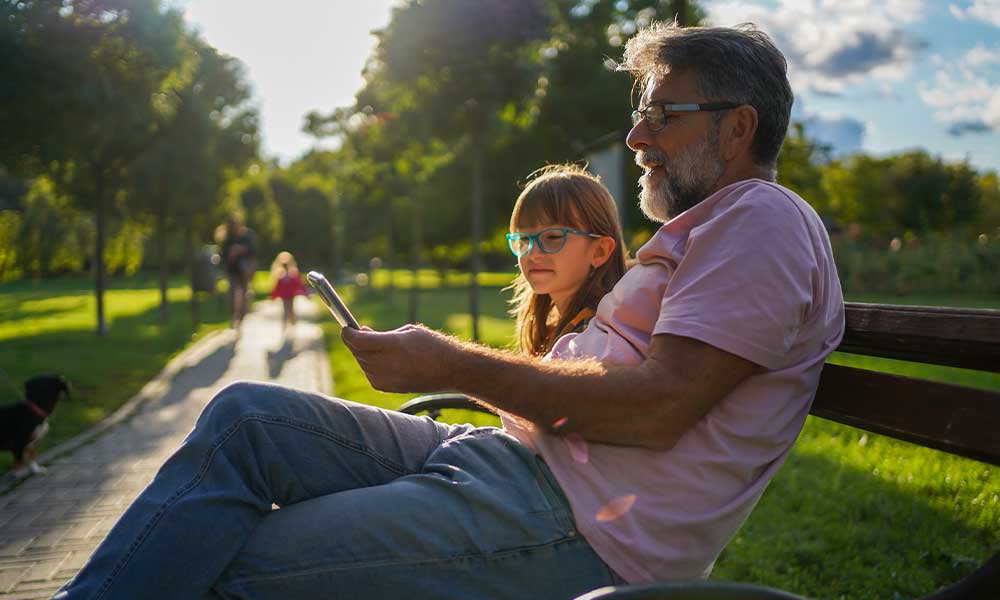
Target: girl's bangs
(543,205)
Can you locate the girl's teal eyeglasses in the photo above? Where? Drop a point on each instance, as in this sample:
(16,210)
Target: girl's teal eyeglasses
(549,240)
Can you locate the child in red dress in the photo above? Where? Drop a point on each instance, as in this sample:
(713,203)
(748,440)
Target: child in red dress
(287,285)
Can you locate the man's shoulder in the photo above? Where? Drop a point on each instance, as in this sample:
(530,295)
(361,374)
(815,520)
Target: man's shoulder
(768,196)
(760,201)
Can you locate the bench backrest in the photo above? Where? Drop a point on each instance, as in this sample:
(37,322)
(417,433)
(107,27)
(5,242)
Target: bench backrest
(953,418)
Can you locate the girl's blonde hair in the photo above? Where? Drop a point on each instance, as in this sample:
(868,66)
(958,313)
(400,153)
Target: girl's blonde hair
(566,195)
(283,264)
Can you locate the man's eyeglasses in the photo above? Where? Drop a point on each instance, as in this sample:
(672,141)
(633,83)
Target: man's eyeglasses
(656,114)
(549,240)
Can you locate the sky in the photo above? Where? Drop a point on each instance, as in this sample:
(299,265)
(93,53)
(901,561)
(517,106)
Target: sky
(880,76)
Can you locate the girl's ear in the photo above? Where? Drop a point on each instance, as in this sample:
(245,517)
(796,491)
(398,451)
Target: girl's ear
(600,250)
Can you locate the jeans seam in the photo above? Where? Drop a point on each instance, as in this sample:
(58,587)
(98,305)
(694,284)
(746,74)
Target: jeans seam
(342,441)
(206,465)
(412,562)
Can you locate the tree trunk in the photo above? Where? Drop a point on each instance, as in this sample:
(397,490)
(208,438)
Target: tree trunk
(161,226)
(192,270)
(477,234)
(101,213)
(680,9)
(415,261)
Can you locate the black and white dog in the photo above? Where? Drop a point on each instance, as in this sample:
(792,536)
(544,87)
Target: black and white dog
(22,424)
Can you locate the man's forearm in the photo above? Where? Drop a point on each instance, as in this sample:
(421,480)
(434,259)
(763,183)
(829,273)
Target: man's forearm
(651,404)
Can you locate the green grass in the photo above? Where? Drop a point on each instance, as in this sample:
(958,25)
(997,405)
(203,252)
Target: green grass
(850,515)
(49,327)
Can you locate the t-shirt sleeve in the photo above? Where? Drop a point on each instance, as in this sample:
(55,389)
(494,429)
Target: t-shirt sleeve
(744,283)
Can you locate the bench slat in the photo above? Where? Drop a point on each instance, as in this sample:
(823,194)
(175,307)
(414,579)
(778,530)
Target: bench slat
(958,337)
(956,419)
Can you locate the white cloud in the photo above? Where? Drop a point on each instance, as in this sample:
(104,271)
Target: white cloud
(981,55)
(965,97)
(832,44)
(987,11)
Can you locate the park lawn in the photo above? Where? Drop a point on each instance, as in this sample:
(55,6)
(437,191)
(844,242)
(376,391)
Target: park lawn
(48,326)
(850,515)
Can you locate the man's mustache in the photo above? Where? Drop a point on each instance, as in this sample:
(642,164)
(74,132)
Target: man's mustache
(650,158)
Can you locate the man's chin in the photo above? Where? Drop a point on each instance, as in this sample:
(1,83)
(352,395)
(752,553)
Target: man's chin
(654,207)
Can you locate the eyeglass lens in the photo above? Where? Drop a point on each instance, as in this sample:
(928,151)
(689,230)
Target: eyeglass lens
(549,241)
(653,114)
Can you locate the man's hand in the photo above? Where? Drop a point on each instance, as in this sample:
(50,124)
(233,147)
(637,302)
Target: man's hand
(412,358)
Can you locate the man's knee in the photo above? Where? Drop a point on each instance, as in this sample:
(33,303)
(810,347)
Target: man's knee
(239,399)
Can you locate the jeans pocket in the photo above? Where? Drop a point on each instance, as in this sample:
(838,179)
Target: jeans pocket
(561,508)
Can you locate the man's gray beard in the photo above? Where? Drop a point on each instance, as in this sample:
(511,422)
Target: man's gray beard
(687,179)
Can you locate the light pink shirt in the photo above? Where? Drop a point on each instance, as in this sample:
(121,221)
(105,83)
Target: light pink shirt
(748,270)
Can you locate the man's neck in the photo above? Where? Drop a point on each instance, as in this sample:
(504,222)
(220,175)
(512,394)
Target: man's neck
(741,172)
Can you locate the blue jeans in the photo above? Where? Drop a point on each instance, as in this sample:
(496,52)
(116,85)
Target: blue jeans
(373,504)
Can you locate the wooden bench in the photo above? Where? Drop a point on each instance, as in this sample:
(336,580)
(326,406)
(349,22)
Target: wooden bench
(951,418)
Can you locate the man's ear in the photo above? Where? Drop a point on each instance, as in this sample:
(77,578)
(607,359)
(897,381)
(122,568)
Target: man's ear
(736,132)
(601,250)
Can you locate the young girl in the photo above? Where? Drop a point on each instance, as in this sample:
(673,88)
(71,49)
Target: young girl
(565,233)
(287,285)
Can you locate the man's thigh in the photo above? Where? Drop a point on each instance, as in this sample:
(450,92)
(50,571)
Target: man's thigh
(483,521)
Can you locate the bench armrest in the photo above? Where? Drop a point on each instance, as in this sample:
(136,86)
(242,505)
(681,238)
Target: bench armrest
(433,404)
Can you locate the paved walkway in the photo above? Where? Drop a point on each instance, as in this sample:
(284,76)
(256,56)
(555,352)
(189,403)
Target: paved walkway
(50,524)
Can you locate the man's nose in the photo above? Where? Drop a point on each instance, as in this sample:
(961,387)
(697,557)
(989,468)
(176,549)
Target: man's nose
(639,137)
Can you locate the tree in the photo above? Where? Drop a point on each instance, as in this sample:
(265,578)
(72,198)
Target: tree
(932,194)
(212,132)
(453,85)
(87,86)
(460,65)
(800,167)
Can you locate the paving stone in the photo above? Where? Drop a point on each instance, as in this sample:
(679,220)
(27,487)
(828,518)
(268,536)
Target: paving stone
(51,524)
(9,578)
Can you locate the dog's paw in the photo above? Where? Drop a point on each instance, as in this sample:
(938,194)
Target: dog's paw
(37,468)
(22,472)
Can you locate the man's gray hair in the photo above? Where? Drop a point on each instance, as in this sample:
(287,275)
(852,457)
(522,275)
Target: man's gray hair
(738,64)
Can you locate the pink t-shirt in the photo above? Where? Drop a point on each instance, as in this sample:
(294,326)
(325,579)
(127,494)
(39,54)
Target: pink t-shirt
(748,270)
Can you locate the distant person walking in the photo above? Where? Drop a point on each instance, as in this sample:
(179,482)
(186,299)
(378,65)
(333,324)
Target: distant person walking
(240,261)
(287,285)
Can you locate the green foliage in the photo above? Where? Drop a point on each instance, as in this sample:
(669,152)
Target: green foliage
(518,83)
(912,191)
(125,249)
(308,225)
(86,81)
(53,235)
(253,195)
(212,132)
(801,166)
(910,264)
(10,225)
(126,113)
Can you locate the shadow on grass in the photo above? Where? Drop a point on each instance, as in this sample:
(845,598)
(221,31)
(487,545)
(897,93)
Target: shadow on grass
(827,530)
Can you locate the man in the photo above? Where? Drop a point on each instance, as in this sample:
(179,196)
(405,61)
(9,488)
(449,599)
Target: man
(633,452)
